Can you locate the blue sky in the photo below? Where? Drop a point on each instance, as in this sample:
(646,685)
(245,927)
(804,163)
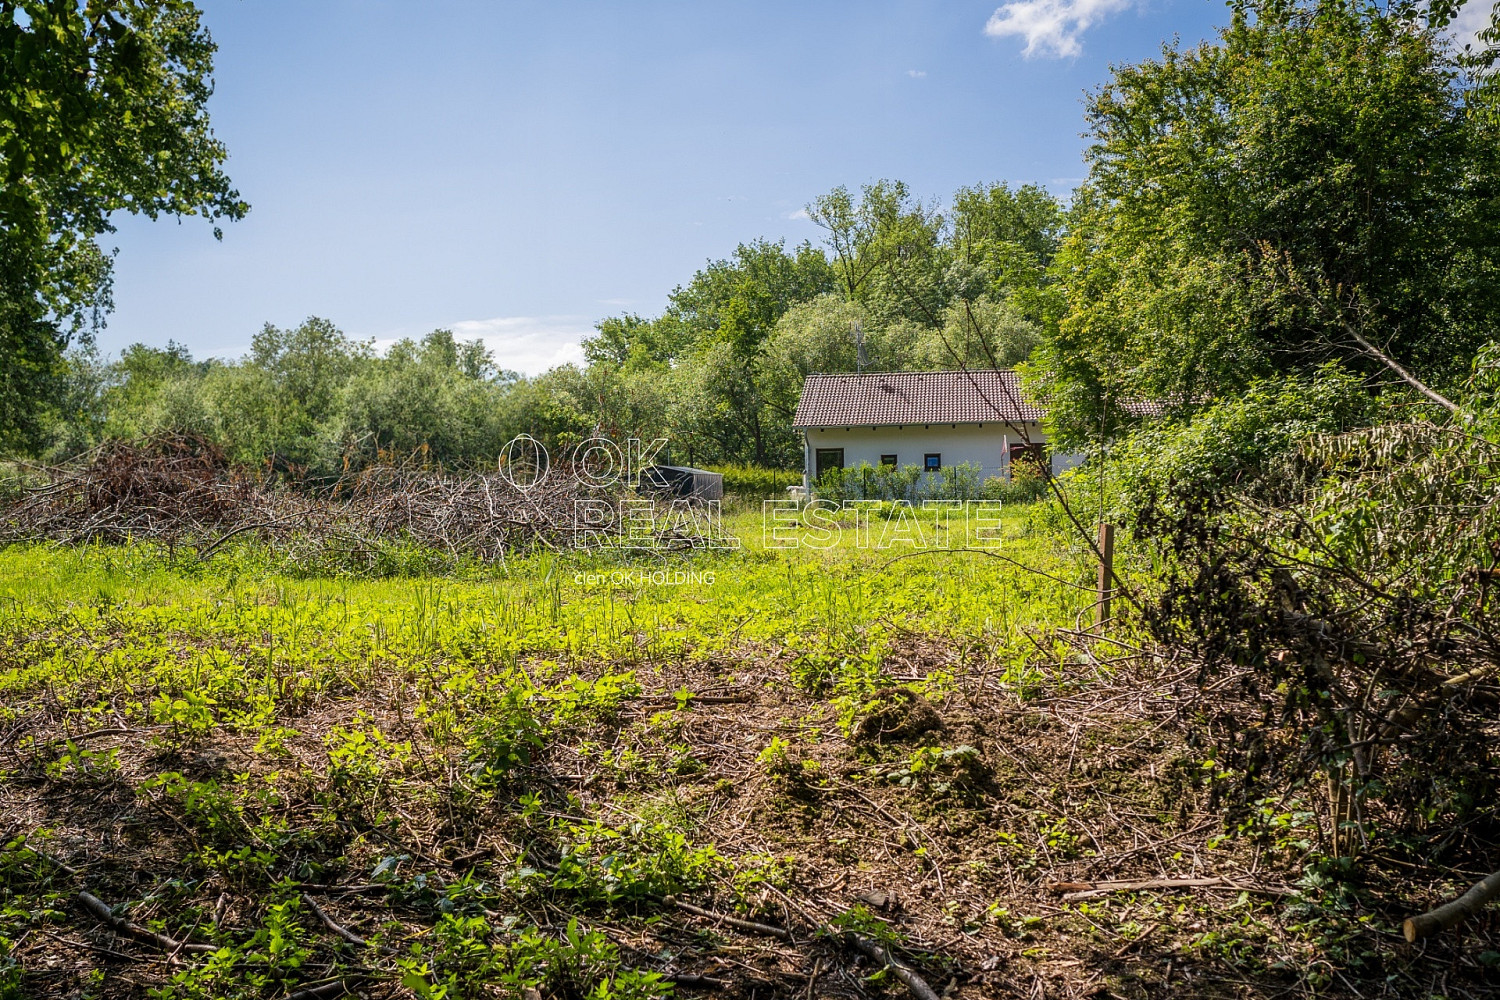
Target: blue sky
(518,170)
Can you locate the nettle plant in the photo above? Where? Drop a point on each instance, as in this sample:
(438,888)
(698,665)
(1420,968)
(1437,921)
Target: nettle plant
(84,764)
(188,718)
(612,865)
(272,957)
(785,764)
(362,760)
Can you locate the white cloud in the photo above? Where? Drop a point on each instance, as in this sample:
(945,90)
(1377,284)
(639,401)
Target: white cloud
(1051,27)
(1472,18)
(527,344)
(800,213)
(916,74)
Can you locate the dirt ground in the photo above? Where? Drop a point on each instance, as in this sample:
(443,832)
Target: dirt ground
(1070,843)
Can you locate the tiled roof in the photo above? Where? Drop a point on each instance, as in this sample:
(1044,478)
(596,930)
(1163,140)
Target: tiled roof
(884,398)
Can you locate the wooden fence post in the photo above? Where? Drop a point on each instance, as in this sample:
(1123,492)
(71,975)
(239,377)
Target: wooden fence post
(1106,573)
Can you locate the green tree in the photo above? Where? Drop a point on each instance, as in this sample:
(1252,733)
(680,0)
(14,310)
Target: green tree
(102,109)
(631,340)
(727,313)
(1261,204)
(821,336)
(156,389)
(986,216)
(984,333)
(437,393)
(282,402)
(888,250)
(1003,242)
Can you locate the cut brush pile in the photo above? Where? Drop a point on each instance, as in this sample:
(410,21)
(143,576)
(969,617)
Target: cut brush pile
(181,491)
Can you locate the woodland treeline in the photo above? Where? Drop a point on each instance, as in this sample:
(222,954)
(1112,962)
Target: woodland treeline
(1315,187)
(718,373)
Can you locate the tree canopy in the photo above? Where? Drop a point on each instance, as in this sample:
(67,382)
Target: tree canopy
(1261,203)
(1317,184)
(103,108)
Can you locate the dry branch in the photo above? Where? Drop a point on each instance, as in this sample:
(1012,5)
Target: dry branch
(696,981)
(899,969)
(914,982)
(1449,914)
(327,991)
(179,490)
(102,912)
(340,929)
(748,926)
(1089,890)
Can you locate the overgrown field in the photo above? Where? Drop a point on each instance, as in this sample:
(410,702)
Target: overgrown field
(756,773)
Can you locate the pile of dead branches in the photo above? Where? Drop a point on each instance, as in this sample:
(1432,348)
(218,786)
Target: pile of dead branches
(181,491)
(170,488)
(1344,588)
(484,515)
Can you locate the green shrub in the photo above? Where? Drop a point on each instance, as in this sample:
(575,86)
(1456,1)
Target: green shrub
(1320,544)
(1234,446)
(749,482)
(632,863)
(907,482)
(579,963)
(1027,484)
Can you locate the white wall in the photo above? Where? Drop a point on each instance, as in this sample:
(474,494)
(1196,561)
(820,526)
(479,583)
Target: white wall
(985,445)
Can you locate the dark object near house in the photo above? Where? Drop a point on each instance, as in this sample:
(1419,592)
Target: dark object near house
(682,481)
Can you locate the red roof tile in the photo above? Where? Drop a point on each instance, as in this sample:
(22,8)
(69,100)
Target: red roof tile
(884,398)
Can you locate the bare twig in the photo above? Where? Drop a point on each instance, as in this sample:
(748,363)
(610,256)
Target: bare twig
(340,929)
(899,969)
(748,926)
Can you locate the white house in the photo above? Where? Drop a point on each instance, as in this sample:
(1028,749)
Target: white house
(929,419)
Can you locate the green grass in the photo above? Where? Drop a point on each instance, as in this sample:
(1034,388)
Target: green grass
(354,714)
(220,747)
(590,606)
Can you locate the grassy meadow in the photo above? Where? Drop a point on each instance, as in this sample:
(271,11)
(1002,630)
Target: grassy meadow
(564,777)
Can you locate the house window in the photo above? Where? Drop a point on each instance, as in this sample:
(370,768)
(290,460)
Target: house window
(932,461)
(827,458)
(887,459)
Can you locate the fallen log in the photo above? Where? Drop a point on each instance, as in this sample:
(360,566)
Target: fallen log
(1448,915)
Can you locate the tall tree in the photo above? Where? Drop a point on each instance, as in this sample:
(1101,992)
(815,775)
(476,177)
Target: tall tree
(888,250)
(986,215)
(1311,183)
(103,108)
(729,311)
